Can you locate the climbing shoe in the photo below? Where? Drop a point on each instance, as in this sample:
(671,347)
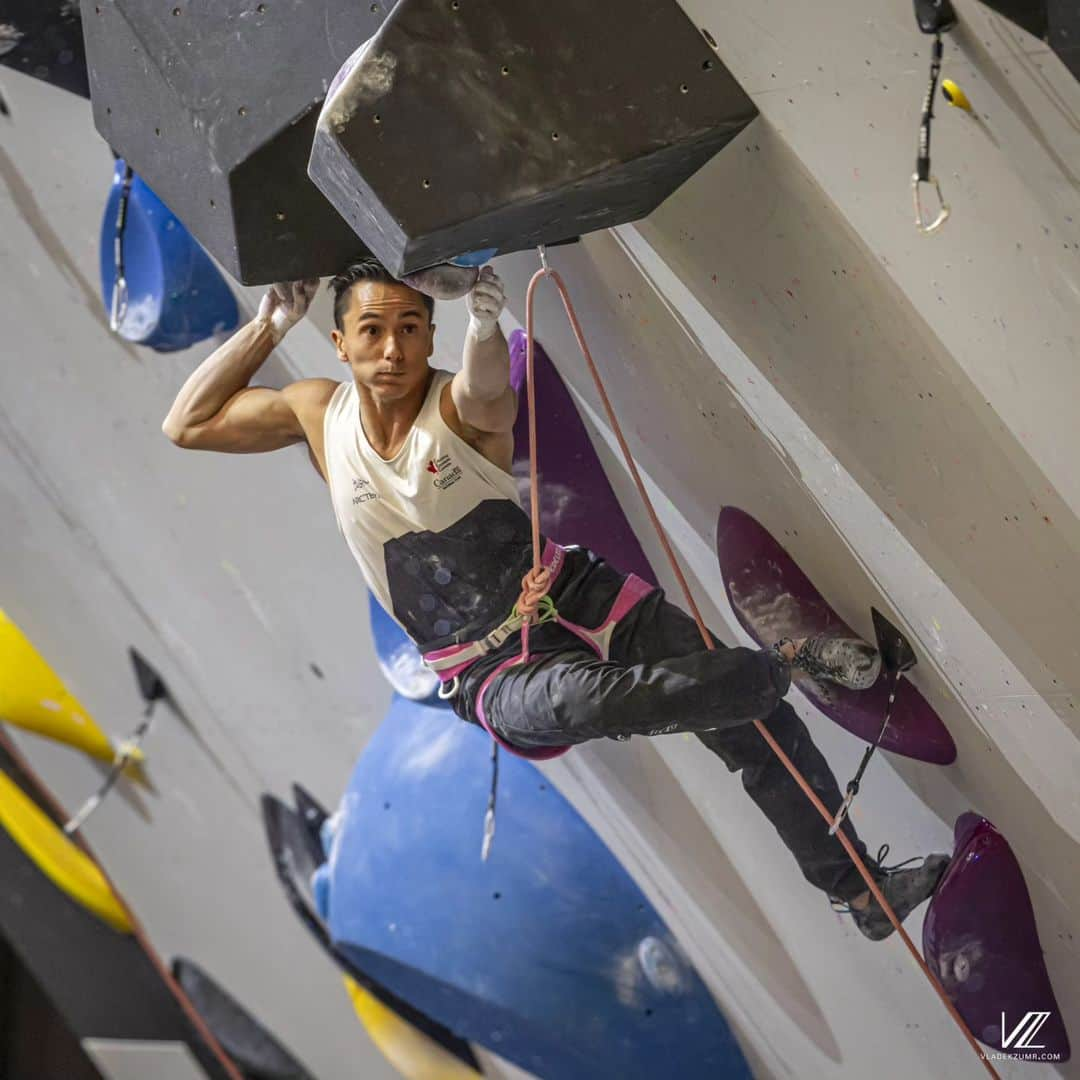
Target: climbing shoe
(905,890)
(845,661)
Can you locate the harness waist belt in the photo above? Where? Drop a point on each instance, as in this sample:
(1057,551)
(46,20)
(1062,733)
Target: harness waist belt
(451,661)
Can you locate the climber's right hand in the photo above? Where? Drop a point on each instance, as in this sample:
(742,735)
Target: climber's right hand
(285,304)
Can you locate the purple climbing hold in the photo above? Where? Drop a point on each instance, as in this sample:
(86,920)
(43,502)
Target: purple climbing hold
(981,942)
(772,599)
(578,505)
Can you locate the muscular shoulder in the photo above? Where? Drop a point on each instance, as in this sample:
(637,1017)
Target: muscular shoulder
(497,447)
(308,399)
(310,393)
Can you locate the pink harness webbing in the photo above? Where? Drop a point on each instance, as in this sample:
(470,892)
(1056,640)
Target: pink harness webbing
(597,638)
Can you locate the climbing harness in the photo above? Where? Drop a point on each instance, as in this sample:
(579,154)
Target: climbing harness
(934,17)
(536,586)
(118,307)
(534,607)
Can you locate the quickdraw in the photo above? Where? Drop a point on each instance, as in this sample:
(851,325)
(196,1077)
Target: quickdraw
(118,307)
(153,690)
(934,17)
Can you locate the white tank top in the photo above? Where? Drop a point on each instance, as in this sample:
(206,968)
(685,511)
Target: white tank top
(438,530)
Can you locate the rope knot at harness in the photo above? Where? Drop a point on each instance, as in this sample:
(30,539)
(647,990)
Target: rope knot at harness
(534,587)
(534,596)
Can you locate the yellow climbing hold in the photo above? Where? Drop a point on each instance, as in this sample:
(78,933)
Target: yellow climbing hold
(414,1054)
(954,95)
(32,696)
(57,857)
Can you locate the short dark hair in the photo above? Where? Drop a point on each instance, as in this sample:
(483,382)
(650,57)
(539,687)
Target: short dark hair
(368,269)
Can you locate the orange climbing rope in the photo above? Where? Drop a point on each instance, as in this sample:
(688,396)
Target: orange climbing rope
(535,586)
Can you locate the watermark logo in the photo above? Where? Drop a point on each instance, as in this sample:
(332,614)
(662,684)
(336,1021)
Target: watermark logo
(1020,1037)
(1019,1041)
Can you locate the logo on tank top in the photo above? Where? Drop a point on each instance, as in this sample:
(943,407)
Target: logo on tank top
(445,471)
(362,490)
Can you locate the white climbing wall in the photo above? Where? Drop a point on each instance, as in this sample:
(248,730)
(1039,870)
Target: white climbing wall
(899,410)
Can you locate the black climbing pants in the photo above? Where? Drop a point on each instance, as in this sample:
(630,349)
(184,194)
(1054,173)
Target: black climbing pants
(659,678)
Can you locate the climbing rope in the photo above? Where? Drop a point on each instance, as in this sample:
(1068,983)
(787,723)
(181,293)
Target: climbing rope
(534,578)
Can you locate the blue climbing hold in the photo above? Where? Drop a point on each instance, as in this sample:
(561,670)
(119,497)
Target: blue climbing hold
(548,953)
(475,258)
(399,659)
(175,295)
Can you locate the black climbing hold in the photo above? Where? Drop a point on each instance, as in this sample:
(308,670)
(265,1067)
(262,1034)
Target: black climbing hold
(311,816)
(896,651)
(151,684)
(243,1038)
(234,90)
(628,136)
(935,16)
(290,849)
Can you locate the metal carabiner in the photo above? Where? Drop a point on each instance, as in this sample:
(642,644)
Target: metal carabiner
(920,220)
(448,690)
(541,250)
(842,813)
(119,303)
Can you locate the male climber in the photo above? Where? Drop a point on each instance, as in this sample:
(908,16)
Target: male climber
(417,461)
